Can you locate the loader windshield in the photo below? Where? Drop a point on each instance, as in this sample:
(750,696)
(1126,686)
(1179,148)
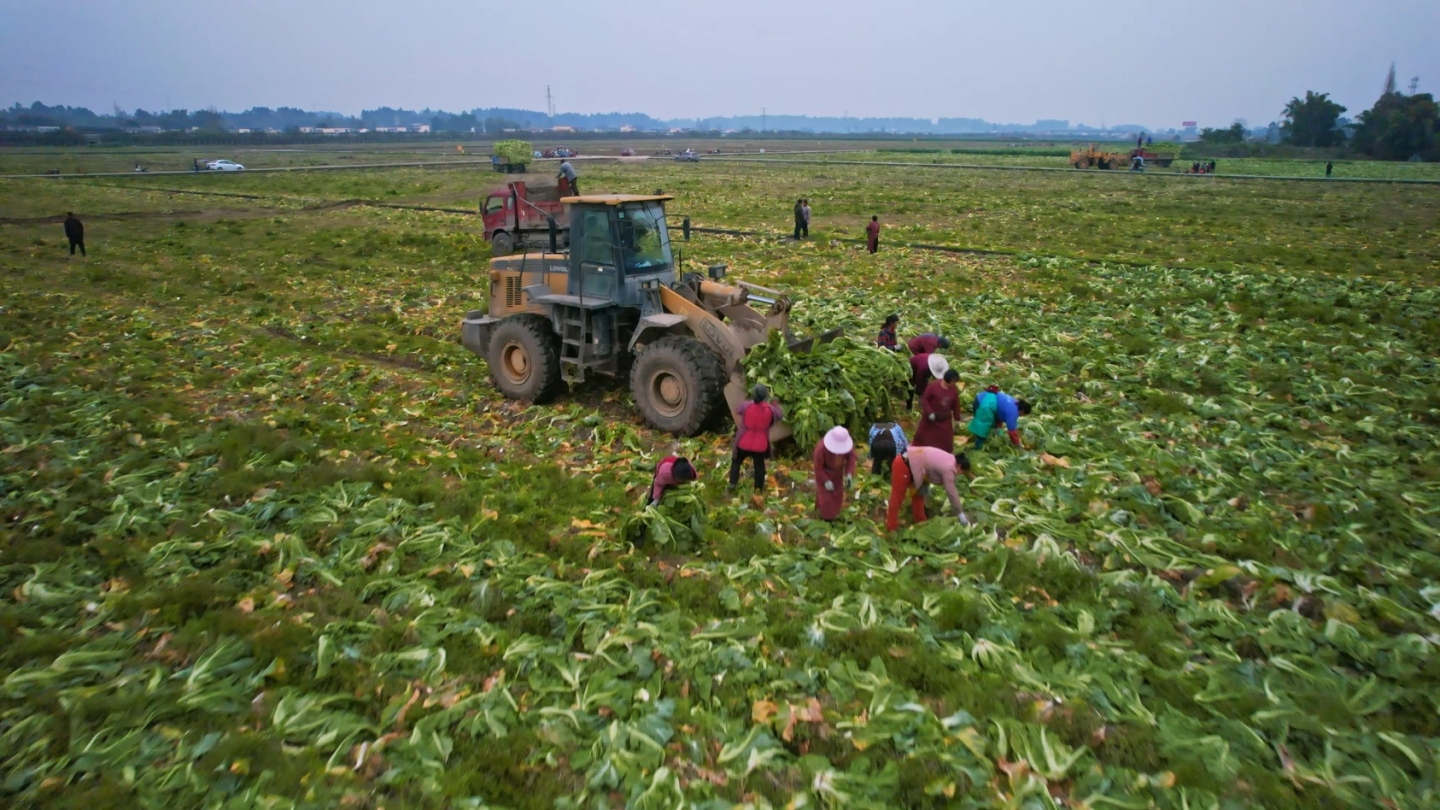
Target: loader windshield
(644,240)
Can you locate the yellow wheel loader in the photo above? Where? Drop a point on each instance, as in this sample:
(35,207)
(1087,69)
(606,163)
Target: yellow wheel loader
(612,303)
(1092,157)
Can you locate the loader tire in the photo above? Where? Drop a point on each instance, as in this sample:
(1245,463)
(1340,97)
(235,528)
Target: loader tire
(678,385)
(524,359)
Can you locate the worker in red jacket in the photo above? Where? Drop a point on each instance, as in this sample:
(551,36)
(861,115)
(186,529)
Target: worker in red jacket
(752,436)
(834,461)
(926,343)
(924,368)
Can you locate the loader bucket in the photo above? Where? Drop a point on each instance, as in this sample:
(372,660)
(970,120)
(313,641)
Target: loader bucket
(737,391)
(808,344)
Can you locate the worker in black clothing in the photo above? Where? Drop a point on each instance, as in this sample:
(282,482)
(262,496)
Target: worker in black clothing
(75,232)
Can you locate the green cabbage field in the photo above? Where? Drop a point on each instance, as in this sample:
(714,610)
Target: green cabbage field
(270,538)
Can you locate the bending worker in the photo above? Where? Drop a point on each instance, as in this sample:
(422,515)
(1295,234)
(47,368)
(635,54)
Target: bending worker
(914,472)
(994,407)
(927,343)
(571,176)
(671,472)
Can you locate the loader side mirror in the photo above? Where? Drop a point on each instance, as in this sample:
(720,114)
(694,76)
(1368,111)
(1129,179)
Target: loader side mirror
(685,228)
(717,271)
(554,234)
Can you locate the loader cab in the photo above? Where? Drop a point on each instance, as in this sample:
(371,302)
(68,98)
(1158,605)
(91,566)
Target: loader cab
(619,247)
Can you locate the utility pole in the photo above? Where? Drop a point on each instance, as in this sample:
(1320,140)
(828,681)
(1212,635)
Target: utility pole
(549,104)
(1414,83)
(764,120)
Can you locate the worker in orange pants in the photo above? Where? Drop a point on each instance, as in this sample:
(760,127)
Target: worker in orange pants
(913,472)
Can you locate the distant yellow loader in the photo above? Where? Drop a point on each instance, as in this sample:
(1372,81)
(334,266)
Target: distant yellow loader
(1092,158)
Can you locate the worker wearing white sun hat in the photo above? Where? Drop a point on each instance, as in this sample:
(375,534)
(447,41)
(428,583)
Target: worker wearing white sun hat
(925,367)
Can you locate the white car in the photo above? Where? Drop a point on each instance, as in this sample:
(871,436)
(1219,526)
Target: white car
(224,166)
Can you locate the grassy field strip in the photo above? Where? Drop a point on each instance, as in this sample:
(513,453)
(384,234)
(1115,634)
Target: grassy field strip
(1116,172)
(420,164)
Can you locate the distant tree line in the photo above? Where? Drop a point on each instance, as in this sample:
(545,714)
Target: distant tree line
(497,120)
(1397,127)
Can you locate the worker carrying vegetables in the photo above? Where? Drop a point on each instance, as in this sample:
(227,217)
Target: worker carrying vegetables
(888,338)
(752,435)
(887,440)
(927,343)
(939,408)
(834,459)
(994,407)
(914,472)
(924,368)
(670,472)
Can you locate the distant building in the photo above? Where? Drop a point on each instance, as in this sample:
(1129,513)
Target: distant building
(562,129)
(422,129)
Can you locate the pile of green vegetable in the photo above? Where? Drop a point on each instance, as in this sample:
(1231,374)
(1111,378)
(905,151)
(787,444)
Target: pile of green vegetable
(844,382)
(676,524)
(513,150)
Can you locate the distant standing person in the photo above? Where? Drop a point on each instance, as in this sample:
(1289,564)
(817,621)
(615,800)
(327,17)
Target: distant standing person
(834,460)
(75,232)
(805,219)
(799,217)
(571,176)
(872,234)
(1329,168)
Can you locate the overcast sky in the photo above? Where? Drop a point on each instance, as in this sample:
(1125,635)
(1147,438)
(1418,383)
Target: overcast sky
(1012,61)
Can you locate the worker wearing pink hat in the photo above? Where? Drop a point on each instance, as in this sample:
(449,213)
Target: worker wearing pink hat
(834,459)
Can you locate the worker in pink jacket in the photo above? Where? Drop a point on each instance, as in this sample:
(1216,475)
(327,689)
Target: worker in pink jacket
(914,472)
(671,472)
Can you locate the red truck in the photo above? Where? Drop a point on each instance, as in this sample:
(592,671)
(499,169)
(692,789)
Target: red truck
(519,215)
(1153,158)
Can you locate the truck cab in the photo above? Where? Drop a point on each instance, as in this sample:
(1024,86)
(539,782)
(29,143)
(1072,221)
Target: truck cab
(519,215)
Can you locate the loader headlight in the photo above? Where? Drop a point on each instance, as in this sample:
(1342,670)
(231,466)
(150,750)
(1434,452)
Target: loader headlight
(717,271)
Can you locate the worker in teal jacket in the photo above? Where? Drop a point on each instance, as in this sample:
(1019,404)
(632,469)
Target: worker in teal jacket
(994,407)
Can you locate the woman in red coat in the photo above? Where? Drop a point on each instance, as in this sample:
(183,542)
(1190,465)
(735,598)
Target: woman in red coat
(834,459)
(939,408)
